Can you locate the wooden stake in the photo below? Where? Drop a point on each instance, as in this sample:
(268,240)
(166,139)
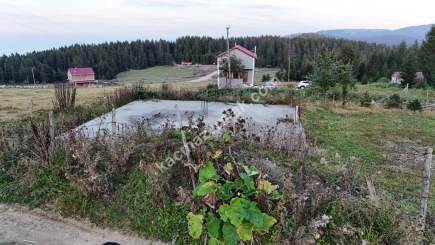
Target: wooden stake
(425,192)
(51,124)
(114,129)
(372,191)
(31,107)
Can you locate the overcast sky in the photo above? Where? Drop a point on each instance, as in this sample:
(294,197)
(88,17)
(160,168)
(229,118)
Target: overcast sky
(59,22)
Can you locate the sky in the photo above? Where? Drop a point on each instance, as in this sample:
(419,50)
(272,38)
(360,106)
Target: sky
(27,25)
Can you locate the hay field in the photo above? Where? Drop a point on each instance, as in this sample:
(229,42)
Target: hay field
(15,102)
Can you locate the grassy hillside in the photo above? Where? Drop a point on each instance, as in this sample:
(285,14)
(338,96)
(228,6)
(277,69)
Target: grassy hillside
(169,74)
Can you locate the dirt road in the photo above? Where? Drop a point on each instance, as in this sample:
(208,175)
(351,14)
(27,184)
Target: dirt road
(204,78)
(20,226)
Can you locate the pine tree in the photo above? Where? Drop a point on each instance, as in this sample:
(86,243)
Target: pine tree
(427,57)
(409,70)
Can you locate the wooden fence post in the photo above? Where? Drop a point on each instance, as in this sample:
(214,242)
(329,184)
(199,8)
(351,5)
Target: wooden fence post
(372,191)
(31,107)
(114,129)
(425,192)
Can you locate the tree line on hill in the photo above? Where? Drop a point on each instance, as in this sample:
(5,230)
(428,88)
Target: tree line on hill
(369,61)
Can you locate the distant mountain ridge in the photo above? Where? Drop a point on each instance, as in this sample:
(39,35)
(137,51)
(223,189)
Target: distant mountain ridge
(381,36)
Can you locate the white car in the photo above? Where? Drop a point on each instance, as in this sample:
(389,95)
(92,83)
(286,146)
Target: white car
(303,84)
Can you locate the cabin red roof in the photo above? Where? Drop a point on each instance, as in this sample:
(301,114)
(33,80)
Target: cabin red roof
(242,49)
(81,71)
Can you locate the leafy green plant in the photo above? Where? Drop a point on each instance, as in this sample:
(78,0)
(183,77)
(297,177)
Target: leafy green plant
(231,214)
(394,101)
(365,100)
(414,105)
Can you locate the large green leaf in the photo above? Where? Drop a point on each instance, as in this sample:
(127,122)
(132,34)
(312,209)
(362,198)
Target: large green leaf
(268,222)
(213,226)
(255,216)
(213,241)
(225,192)
(207,172)
(251,170)
(236,212)
(248,184)
(266,186)
(194,223)
(229,234)
(227,137)
(223,212)
(245,231)
(228,168)
(205,188)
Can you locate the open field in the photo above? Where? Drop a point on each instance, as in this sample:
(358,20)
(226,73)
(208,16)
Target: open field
(168,74)
(259,72)
(15,102)
(386,144)
(385,90)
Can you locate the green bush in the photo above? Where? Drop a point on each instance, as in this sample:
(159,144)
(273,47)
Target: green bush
(365,99)
(414,105)
(394,101)
(234,197)
(383,80)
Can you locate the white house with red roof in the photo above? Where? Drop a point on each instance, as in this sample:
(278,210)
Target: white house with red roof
(81,76)
(241,79)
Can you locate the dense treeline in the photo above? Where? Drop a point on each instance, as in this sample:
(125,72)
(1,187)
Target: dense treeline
(370,61)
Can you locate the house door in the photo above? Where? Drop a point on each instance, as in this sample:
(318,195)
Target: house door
(245,77)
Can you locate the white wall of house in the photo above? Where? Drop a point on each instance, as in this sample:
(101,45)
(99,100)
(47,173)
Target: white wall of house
(246,61)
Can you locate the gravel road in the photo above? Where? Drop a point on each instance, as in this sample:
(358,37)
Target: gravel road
(21,226)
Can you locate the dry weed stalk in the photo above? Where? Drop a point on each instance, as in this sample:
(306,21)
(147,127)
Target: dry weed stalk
(65,97)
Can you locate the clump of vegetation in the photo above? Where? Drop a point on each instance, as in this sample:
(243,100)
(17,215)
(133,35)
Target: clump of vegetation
(394,101)
(414,105)
(266,78)
(383,80)
(365,100)
(65,97)
(231,212)
(330,71)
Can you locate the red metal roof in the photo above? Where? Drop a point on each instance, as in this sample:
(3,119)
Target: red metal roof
(242,49)
(81,71)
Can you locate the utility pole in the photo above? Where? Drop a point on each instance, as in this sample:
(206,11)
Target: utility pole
(290,54)
(33,75)
(229,56)
(288,71)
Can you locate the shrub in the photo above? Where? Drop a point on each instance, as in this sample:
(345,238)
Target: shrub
(394,101)
(365,99)
(383,80)
(265,78)
(414,105)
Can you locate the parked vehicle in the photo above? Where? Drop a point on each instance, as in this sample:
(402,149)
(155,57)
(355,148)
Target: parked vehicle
(303,84)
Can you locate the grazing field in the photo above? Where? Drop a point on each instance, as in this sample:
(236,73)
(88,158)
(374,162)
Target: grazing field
(168,74)
(386,144)
(15,102)
(259,72)
(385,90)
